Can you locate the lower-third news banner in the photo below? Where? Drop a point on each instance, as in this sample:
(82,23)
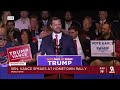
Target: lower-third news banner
(53,64)
(63,70)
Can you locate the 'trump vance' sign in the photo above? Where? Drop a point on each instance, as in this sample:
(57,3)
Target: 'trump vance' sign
(19,53)
(59,60)
(102,48)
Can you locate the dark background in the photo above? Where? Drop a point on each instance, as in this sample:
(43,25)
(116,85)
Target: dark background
(79,15)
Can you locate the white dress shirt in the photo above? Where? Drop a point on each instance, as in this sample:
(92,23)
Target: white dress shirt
(79,48)
(67,25)
(20,25)
(45,22)
(102,22)
(39,43)
(59,36)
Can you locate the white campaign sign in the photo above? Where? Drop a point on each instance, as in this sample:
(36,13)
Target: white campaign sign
(102,48)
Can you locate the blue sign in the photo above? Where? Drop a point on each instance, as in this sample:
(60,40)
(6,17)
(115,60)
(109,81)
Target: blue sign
(59,60)
(3,65)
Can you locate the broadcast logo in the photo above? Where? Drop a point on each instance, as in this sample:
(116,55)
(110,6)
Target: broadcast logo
(112,70)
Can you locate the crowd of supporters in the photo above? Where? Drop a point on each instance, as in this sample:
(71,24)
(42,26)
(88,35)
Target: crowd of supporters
(31,30)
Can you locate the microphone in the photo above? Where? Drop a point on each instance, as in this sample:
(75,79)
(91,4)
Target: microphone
(54,44)
(60,46)
(57,47)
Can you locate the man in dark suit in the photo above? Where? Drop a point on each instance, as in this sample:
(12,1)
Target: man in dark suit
(69,21)
(43,22)
(50,42)
(80,43)
(103,18)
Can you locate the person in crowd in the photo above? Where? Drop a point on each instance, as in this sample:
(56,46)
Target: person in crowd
(87,30)
(34,29)
(4,44)
(103,18)
(86,34)
(78,42)
(107,34)
(26,39)
(44,21)
(23,22)
(13,34)
(4,18)
(69,20)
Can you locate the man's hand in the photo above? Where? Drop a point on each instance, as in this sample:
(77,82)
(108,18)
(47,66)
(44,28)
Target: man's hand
(33,60)
(11,35)
(40,53)
(114,54)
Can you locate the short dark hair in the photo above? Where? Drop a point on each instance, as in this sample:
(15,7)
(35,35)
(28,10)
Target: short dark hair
(68,12)
(103,11)
(110,25)
(53,18)
(73,27)
(88,18)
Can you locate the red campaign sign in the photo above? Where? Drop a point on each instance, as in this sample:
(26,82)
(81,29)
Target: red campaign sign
(19,53)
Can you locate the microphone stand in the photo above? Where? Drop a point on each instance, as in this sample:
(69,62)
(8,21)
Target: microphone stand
(58,47)
(114,40)
(59,51)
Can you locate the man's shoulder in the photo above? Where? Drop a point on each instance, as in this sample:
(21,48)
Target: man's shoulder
(66,36)
(47,37)
(17,21)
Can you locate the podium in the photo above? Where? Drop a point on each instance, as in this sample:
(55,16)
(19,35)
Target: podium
(59,60)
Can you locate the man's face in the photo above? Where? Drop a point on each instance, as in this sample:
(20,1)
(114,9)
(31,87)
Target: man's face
(68,16)
(103,15)
(56,26)
(105,29)
(44,15)
(10,25)
(24,14)
(86,24)
(73,33)
(33,22)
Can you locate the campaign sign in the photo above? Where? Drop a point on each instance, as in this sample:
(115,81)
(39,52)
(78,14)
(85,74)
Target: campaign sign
(59,60)
(102,48)
(20,53)
(117,46)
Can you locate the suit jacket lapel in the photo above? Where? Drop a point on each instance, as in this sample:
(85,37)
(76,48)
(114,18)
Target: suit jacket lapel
(51,45)
(62,40)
